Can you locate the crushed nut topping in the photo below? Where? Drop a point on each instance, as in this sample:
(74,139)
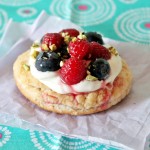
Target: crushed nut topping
(113,51)
(35,44)
(34,54)
(45,47)
(64,34)
(26,67)
(53,47)
(67,39)
(91,78)
(74,39)
(81,36)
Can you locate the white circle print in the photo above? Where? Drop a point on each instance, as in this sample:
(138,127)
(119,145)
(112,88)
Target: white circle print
(83,12)
(134,25)
(5,135)
(128,1)
(3,20)
(40,141)
(26,11)
(18,2)
(43,141)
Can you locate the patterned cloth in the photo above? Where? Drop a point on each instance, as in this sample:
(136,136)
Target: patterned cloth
(18,139)
(125,20)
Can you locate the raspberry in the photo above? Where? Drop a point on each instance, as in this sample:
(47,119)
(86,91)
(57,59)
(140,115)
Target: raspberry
(79,49)
(99,51)
(71,32)
(73,71)
(51,38)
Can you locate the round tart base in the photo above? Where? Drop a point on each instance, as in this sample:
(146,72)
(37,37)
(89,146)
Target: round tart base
(73,104)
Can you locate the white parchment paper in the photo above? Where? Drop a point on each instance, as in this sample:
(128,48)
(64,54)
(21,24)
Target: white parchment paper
(127,123)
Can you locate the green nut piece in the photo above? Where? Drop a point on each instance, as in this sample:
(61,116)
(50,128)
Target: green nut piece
(91,78)
(45,47)
(67,39)
(73,39)
(35,45)
(53,47)
(35,54)
(26,67)
(82,36)
(113,51)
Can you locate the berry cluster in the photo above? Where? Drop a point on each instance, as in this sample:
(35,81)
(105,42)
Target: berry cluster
(76,55)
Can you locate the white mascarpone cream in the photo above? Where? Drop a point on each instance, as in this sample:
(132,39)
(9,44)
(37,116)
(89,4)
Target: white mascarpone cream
(54,82)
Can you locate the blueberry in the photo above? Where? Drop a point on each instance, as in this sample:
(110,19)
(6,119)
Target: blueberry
(47,61)
(100,68)
(93,36)
(64,53)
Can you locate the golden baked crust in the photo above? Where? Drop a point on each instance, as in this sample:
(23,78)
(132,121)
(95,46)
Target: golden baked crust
(74,104)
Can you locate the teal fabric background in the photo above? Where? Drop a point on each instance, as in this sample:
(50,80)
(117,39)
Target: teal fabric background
(19,139)
(124,20)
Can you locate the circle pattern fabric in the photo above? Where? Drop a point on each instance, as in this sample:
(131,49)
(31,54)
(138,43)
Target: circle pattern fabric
(83,12)
(37,140)
(43,140)
(4,136)
(18,2)
(134,25)
(103,16)
(26,11)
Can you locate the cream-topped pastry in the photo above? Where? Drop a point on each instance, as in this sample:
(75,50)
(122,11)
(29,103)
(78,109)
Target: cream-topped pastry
(54,82)
(72,73)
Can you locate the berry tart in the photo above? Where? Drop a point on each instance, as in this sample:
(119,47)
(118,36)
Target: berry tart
(72,73)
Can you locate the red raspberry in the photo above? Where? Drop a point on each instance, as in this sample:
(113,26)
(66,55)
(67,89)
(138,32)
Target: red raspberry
(99,51)
(79,49)
(52,38)
(71,32)
(73,71)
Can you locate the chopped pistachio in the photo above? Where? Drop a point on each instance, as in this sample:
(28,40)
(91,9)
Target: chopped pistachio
(53,47)
(67,39)
(59,54)
(45,47)
(35,44)
(26,67)
(113,51)
(35,54)
(81,36)
(74,39)
(91,78)
(63,34)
